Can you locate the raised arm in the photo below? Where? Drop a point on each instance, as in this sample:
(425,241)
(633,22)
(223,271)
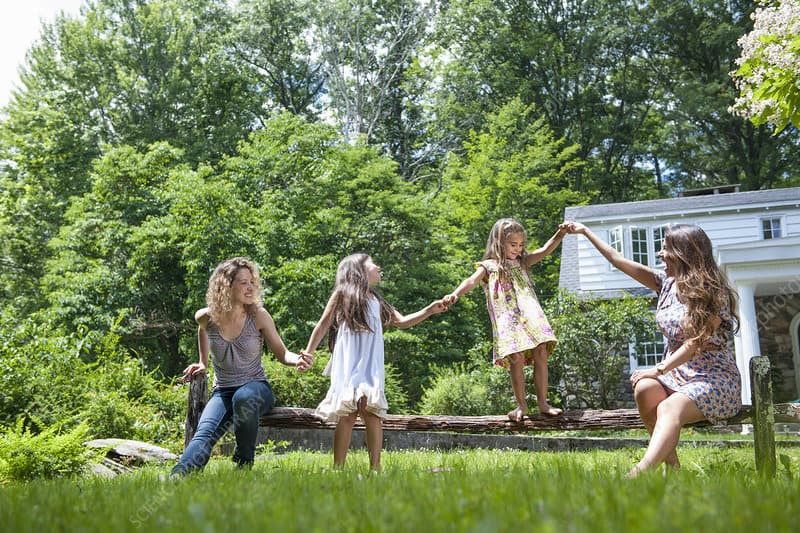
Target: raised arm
(266,325)
(465,286)
(540,253)
(321,329)
(406,321)
(637,271)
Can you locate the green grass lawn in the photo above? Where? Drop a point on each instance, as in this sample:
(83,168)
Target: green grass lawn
(424,491)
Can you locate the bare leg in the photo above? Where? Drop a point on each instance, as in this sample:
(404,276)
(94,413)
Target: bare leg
(649,393)
(671,415)
(374,426)
(516,366)
(341,438)
(540,381)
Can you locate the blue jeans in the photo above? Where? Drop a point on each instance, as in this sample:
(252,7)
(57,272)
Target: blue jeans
(234,409)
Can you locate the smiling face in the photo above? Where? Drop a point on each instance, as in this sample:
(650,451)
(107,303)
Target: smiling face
(372,271)
(243,287)
(513,246)
(671,258)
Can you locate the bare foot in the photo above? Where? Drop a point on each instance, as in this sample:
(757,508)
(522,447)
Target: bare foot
(638,470)
(547,409)
(517,415)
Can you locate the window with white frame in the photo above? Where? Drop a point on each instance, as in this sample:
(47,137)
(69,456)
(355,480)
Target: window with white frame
(771,228)
(658,233)
(639,245)
(647,353)
(615,240)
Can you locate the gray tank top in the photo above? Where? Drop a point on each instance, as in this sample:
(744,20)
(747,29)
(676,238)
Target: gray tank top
(237,361)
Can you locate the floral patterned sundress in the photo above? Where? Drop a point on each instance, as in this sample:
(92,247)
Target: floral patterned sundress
(710,378)
(518,322)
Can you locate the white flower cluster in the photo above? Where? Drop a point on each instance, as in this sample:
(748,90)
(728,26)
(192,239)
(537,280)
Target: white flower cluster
(770,51)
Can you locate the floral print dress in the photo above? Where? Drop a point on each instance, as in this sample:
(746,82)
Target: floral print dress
(710,378)
(518,322)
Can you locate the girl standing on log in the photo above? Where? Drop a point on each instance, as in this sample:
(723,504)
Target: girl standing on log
(522,335)
(357,314)
(698,378)
(232,328)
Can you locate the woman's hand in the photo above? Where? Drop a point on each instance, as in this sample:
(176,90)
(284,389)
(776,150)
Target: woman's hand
(191,370)
(639,375)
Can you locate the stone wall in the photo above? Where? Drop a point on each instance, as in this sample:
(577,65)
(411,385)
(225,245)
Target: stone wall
(775,314)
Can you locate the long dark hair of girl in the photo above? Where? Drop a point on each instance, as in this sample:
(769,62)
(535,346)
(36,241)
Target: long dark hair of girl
(351,293)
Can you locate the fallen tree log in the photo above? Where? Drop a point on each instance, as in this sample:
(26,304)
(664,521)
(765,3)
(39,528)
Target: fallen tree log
(297,417)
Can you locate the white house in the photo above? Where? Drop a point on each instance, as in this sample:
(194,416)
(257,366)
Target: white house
(756,237)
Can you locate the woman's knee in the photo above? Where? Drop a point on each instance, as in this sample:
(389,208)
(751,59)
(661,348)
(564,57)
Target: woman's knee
(256,396)
(650,392)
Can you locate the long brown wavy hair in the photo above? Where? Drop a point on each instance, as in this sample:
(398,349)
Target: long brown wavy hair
(218,295)
(502,230)
(351,293)
(702,286)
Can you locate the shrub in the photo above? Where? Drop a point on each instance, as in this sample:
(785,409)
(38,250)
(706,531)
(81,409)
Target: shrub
(49,454)
(484,390)
(586,368)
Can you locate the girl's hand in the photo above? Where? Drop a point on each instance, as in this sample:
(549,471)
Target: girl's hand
(191,370)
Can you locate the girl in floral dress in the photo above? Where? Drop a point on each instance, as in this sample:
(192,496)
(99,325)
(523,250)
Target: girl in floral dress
(697,379)
(522,335)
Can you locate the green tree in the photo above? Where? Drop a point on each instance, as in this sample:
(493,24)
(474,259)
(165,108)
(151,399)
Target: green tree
(129,72)
(582,64)
(702,144)
(88,281)
(368,50)
(270,36)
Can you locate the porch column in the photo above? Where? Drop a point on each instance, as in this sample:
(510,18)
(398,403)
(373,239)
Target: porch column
(748,345)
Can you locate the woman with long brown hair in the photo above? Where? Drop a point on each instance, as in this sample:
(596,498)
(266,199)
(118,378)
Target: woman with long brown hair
(698,378)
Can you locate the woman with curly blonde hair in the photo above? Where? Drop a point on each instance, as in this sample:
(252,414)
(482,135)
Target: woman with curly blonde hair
(698,378)
(232,329)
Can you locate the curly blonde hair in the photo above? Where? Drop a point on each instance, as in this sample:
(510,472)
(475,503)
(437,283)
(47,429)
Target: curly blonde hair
(495,245)
(702,286)
(218,295)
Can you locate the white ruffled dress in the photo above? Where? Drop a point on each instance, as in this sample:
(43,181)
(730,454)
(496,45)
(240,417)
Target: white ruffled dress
(357,370)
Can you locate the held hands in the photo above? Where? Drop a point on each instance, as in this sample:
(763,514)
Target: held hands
(438,306)
(572,227)
(450,299)
(305,360)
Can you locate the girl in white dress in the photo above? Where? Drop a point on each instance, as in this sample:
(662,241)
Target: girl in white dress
(357,314)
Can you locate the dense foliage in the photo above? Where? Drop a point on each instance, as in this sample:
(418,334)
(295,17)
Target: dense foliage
(151,139)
